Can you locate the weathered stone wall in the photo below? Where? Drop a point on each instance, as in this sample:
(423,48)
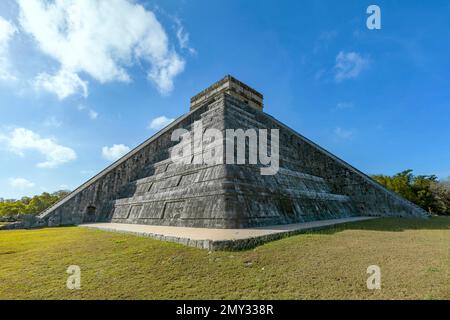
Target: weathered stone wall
(301,155)
(110,184)
(237,196)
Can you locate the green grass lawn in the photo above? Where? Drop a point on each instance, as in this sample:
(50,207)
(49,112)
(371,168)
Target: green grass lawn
(414,256)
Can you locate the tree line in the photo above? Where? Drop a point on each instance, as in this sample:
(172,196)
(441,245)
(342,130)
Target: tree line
(426,191)
(10,208)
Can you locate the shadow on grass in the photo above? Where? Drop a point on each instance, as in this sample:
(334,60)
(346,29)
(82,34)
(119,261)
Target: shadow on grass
(393,225)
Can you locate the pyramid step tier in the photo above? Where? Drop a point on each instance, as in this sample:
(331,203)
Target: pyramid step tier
(169,175)
(229,196)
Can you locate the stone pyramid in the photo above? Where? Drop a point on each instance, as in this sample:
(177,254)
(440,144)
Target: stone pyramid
(147,187)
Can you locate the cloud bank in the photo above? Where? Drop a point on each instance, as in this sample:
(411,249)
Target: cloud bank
(102,39)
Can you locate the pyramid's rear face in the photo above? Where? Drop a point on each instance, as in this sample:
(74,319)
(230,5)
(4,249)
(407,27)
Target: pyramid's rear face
(155,186)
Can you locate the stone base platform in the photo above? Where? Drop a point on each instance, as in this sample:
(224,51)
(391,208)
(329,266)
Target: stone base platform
(220,239)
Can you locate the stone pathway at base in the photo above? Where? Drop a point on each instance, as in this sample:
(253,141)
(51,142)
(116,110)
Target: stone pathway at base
(220,239)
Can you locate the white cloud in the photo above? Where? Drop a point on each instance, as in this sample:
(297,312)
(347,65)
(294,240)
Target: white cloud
(93,115)
(63,84)
(183,38)
(115,152)
(160,122)
(101,39)
(20,183)
(349,65)
(7,31)
(343,133)
(20,140)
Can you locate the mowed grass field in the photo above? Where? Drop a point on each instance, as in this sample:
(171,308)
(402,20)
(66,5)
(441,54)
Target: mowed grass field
(414,257)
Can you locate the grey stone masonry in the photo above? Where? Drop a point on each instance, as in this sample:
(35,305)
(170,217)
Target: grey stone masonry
(232,87)
(146,187)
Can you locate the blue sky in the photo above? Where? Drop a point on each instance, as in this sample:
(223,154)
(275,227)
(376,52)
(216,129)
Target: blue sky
(82,82)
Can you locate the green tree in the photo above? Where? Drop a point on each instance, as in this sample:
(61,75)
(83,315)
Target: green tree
(27,205)
(425,190)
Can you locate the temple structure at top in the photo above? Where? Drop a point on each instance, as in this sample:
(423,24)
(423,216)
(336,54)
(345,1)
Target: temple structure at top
(233,87)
